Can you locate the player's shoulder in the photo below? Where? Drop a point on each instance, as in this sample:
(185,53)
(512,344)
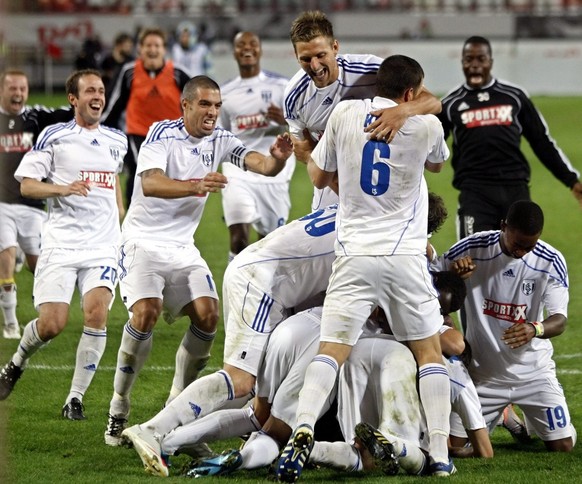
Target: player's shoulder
(113,133)
(166,129)
(359,63)
(274,77)
(55,132)
(455,93)
(478,242)
(504,85)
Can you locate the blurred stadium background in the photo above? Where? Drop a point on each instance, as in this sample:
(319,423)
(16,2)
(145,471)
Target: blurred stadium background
(537,43)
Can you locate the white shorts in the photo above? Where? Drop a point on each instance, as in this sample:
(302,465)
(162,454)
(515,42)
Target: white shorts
(177,275)
(542,401)
(401,285)
(251,317)
(377,385)
(59,270)
(464,399)
(21,225)
(265,205)
(292,346)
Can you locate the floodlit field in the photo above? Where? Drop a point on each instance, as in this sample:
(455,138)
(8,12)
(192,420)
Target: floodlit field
(37,445)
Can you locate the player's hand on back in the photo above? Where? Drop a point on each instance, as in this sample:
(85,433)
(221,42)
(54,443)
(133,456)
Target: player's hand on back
(388,123)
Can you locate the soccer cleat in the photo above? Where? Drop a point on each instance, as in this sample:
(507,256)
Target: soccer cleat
(515,426)
(442,469)
(379,447)
(147,445)
(115,426)
(295,454)
(11,331)
(221,465)
(9,375)
(74,410)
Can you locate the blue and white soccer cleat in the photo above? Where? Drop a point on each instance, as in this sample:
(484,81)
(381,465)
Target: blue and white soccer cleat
(295,454)
(442,469)
(221,465)
(148,447)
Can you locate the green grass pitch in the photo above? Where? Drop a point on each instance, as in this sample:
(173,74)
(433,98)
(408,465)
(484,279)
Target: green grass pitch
(37,445)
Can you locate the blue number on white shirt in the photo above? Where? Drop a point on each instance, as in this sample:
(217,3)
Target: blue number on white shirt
(109,274)
(319,225)
(380,185)
(556,416)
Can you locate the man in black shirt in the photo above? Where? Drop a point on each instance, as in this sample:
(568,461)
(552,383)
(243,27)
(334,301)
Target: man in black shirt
(487,118)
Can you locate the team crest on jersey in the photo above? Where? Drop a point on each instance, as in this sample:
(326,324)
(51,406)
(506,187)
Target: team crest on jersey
(266,96)
(115,152)
(207,158)
(528,286)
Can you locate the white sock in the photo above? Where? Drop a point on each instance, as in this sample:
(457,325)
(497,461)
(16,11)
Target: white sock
(339,455)
(8,304)
(411,458)
(200,398)
(89,352)
(29,344)
(191,359)
(133,352)
(222,424)
(435,397)
(320,379)
(259,451)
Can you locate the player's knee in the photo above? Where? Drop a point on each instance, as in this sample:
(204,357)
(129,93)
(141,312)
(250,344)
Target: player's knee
(561,445)
(49,329)
(145,316)
(208,321)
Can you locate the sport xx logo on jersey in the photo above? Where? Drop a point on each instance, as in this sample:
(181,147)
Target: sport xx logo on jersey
(488,116)
(515,313)
(101,179)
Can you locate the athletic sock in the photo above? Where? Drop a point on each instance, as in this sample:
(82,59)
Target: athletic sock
(411,457)
(89,352)
(320,379)
(133,352)
(29,344)
(200,398)
(222,424)
(8,302)
(339,455)
(191,358)
(435,397)
(259,451)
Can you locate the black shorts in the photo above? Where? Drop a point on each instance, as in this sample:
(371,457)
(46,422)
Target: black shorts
(483,207)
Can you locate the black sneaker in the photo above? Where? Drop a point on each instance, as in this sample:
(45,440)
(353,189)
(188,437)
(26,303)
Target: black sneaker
(378,445)
(74,410)
(9,375)
(115,426)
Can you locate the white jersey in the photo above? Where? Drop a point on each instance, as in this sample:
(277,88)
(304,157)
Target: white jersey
(503,291)
(169,147)
(65,153)
(307,106)
(383,195)
(194,61)
(244,107)
(292,263)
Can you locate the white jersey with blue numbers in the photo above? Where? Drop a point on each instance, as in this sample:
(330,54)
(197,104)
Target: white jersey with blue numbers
(244,108)
(292,263)
(63,154)
(383,206)
(503,291)
(307,106)
(169,147)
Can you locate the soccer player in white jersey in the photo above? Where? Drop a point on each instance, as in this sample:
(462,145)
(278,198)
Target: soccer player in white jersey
(159,263)
(381,236)
(252,108)
(517,300)
(270,277)
(326,78)
(75,166)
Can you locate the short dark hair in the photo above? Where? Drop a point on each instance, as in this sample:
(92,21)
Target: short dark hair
(152,31)
(122,38)
(196,82)
(452,283)
(477,39)
(398,73)
(72,83)
(437,213)
(525,216)
(309,25)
